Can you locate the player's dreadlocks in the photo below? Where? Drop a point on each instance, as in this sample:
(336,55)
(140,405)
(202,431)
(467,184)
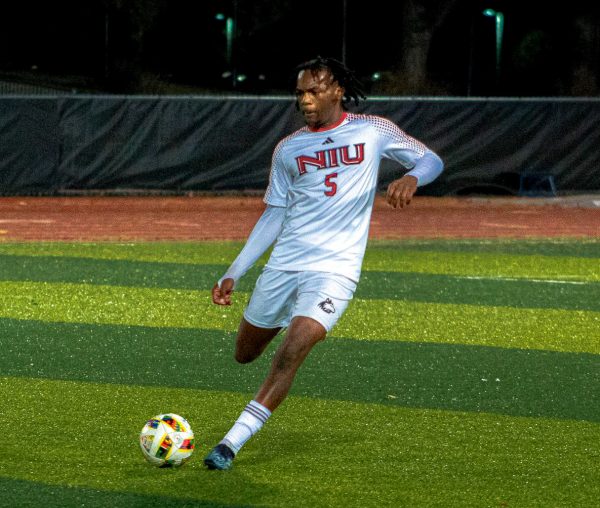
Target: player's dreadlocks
(340,73)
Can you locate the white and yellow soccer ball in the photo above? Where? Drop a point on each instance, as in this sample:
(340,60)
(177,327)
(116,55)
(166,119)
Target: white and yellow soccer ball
(167,440)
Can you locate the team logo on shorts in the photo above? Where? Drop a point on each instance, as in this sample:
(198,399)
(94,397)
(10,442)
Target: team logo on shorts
(327,306)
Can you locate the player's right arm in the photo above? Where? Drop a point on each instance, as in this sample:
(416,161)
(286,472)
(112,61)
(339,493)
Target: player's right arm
(265,232)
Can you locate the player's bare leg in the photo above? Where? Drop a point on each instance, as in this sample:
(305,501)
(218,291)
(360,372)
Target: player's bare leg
(302,335)
(251,341)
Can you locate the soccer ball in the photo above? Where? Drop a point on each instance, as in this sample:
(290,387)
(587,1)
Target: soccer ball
(167,440)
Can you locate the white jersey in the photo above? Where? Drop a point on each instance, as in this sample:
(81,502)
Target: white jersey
(327,179)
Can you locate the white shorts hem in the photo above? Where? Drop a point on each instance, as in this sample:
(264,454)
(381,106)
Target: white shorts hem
(258,324)
(324,325)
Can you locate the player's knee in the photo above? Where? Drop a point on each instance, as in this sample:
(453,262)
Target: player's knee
(289,357)
(244,356)
(283,363)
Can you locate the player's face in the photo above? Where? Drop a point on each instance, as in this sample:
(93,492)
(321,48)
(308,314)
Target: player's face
(319,98)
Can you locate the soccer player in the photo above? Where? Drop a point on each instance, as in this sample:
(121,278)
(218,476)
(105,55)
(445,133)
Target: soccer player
(318,206)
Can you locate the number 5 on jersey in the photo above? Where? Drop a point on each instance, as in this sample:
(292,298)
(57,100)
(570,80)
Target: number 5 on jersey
(329,182)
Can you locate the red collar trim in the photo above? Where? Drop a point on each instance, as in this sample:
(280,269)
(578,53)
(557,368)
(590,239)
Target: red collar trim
(332,126)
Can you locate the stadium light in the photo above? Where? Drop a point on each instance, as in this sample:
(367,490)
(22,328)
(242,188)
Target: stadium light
(499,18)
(230,23)
(229,27)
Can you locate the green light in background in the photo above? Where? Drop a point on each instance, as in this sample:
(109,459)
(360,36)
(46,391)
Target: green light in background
(491,13)
(229,34)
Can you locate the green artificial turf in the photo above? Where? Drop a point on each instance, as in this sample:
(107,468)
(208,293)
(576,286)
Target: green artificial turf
(392,285)
(467,378)
(83,438)
(464,373)
(368,319)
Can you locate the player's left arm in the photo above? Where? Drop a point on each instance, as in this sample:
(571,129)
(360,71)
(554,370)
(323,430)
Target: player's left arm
(426,169)
(423,164)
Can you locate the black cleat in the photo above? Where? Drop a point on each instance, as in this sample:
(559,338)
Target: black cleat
(220,457)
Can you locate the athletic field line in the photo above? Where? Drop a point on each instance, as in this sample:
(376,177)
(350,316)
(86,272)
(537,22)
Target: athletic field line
(521,279)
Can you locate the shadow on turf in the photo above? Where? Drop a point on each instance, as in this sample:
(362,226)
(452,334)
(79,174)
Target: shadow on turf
(23,493)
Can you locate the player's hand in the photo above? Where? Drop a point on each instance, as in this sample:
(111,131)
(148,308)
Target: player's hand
(401,191)
(222,295)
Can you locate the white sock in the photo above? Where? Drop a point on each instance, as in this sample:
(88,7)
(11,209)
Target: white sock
(251,420)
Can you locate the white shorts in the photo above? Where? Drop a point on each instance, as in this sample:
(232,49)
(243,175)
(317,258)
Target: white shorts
(280,296)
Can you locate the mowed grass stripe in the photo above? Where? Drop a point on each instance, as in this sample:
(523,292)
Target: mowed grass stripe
(549,329)
(382,285)
(484,264)
(580,247)
(380,256)
(515,382)
(522,293)
(116,272)
(199,252)
(384,456)
(27,494)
